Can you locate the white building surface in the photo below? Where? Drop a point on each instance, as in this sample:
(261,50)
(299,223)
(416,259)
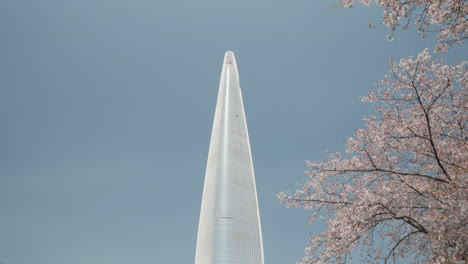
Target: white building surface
(229,230)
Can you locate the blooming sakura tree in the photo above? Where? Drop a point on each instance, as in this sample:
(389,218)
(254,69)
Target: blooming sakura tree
(401,189)
(447,18)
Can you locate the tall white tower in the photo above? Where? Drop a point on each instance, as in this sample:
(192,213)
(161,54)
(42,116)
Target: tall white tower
(229,230)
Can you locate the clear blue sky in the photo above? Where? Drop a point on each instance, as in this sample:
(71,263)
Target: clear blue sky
(106,110)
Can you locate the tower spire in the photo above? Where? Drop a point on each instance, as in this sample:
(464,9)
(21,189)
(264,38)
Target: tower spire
(229,230)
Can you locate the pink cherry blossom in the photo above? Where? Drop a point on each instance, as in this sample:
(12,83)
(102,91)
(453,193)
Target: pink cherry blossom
(403,179)
(447,18)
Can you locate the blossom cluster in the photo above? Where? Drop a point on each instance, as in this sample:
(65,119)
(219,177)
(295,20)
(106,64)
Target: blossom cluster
(403,179)
(448,18)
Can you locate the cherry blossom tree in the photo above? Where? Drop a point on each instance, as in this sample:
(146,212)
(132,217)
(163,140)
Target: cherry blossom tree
(401,188)
(446,18)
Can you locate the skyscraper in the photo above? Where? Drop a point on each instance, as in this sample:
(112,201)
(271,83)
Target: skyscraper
(229,230)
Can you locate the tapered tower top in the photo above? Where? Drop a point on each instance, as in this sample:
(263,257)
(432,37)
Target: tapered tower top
(229,58)
(230,61)
(229,230)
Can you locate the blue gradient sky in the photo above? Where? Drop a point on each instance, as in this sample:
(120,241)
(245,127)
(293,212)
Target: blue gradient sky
(106,110)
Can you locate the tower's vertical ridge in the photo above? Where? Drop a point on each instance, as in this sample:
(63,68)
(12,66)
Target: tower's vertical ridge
(229,231)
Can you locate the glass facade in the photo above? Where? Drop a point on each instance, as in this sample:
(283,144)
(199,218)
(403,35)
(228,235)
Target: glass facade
(229,229)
